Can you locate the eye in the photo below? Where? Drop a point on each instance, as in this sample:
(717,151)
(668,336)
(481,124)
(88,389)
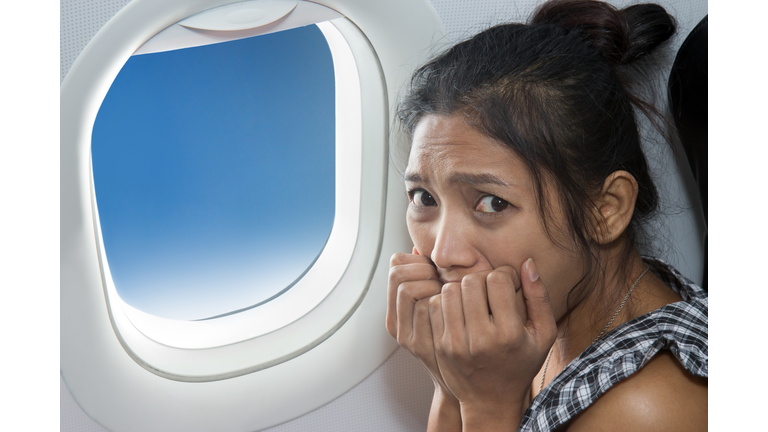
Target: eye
(422,198)
(491,204)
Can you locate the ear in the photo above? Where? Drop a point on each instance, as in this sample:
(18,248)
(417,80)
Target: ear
(614,207)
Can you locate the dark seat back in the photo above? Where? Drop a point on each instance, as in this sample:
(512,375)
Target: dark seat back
(688,100)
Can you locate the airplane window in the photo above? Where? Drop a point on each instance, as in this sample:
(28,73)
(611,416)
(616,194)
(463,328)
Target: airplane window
(214,172)
(317,339)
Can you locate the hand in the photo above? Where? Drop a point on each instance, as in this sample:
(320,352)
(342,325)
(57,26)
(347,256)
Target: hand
(488,351)
(412,281)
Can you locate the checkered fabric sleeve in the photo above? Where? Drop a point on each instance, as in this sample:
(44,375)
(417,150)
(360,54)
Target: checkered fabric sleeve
(678,327)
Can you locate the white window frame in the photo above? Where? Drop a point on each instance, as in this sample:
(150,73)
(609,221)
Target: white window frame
(126,380)
(185,350)
(324,274)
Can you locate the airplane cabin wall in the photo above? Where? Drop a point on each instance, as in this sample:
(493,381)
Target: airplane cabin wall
(396,397)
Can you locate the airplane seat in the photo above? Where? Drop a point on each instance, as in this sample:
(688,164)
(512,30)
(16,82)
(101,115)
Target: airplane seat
(687,88)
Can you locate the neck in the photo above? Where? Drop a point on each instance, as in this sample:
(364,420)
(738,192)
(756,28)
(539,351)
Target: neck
(586,319)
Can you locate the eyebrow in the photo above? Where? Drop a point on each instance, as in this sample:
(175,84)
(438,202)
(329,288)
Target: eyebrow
(475,179)
(413,178)
(479,179)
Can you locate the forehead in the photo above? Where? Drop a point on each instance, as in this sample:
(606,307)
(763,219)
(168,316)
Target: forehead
(445,145)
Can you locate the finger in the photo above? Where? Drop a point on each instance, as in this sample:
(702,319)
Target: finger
(453,312)
(404,268)
(406,258)
(520,305)
(411,272)
(436,317)
(426,258)
(408,294)
(541,320)
(422,329)
(505,298)
(474,299)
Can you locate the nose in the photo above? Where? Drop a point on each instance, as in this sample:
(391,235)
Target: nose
(453,247)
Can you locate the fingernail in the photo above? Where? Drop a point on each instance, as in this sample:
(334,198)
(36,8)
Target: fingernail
(531,267)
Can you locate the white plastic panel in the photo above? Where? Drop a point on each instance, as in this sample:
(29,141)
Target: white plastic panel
(126,381)
(178,36)
(240,16)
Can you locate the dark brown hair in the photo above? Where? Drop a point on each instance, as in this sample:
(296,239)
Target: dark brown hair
(555,92)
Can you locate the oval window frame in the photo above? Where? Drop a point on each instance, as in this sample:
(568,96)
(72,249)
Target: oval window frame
(261,337)
(328,270)
(119,390)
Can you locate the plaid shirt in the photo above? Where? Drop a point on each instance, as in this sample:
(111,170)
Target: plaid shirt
(679,327)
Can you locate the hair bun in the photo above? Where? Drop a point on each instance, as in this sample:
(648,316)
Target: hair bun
(621,36)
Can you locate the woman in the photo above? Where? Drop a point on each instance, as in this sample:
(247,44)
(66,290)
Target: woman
(525,297)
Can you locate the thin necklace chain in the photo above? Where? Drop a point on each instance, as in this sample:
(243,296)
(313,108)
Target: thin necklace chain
(626,297)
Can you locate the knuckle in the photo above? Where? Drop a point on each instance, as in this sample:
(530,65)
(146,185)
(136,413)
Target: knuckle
(395,273)
(477,346)
(511,271)
(540,296)
(509,338)
(440,349)
(451,289)
(422,306)
(397,259)
(459,352)
(480,353)
(499,277)
(459,345)
(544,297)
(421,351)
(449,348)
(473,279)
(410,272)
(424,271)
(402,290)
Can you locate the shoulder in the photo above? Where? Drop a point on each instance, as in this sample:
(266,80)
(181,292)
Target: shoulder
(660,396)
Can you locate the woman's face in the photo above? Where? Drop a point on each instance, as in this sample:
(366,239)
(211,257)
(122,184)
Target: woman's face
(473,207)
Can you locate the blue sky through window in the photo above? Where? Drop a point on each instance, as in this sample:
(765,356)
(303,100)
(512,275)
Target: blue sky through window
(214,172)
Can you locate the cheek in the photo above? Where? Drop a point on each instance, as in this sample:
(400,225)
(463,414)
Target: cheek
(421,236)
(560,270)
(511,251)
(515,243)
(553,265)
